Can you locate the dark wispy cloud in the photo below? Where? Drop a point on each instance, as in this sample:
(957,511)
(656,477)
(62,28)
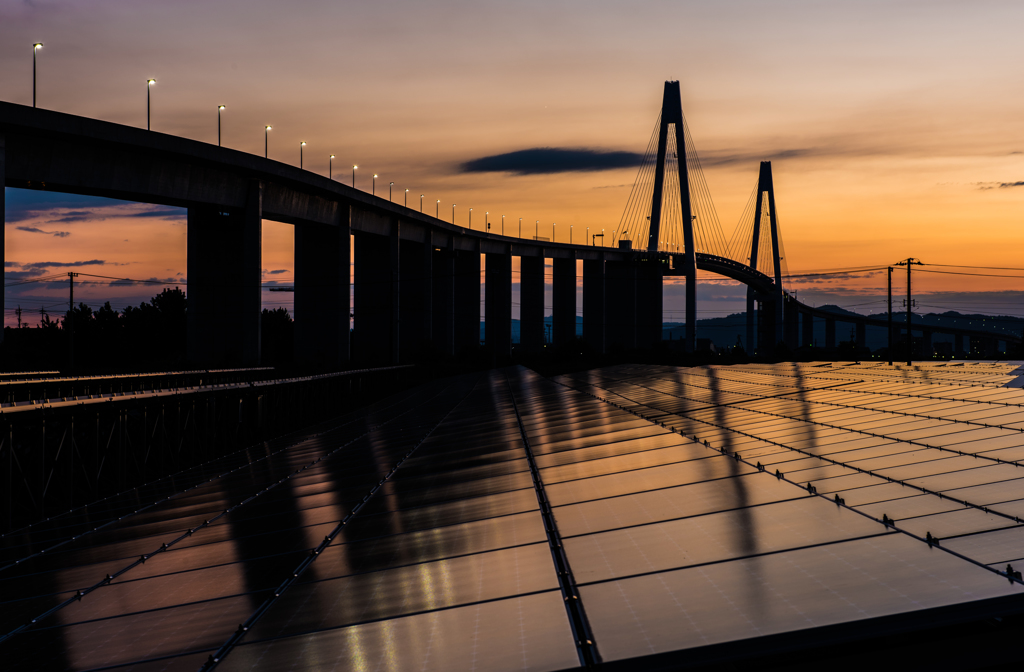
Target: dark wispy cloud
(32,229)
(999,185)
(276,271)
(546,160)
(67,264)
(26,204)
(163,213)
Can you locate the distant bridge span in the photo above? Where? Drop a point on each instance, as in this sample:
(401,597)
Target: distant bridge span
(417,278)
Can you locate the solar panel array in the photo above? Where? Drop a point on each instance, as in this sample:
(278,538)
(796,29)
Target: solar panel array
(508,521)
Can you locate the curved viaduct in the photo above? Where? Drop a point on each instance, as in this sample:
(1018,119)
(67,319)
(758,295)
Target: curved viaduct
(416,278)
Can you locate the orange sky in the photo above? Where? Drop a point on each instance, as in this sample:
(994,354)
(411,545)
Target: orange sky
(892,126)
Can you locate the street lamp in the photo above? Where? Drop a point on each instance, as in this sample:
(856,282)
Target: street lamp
(471,218)
(35,49)
(407,198)
(373,187)
(330,168)
(149,87)
(354,176)
(453,213)
(266,141)
(570,234)
(390,185)
(552,232)
(220,108)
(421,202)
(487,223)
(503,225)
(301,145)
(536,229)
(437,209)
(520,227)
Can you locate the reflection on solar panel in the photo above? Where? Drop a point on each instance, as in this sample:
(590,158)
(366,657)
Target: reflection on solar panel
(638,516)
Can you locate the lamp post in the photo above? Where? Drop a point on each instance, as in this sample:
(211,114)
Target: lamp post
(390,186)
(421,202)
(407,198)
(373,187)
(437,209)
(330,168)
(453,213)
(520,227)
(536,230)
(552,232)
(220,108)
(503,225)
(35,49)
(301,145)
(354,176)
(570,234)
(471,218)
(266,141)
(588,236)
(149,86)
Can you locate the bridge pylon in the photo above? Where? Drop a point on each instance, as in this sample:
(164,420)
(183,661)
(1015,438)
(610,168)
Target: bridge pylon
(672,115)
(766,201)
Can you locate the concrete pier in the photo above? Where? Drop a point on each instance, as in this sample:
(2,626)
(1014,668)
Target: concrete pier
(224,251)
(321,310)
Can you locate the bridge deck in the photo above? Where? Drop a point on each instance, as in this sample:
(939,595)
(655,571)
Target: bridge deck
(419,534)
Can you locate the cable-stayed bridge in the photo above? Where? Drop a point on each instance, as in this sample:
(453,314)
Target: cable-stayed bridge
(415,286)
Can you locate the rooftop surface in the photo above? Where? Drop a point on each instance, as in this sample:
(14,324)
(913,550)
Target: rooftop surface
(631,515)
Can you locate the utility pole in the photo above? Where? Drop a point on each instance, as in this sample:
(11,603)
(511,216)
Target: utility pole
(890,316)
(910,341)
(71,320)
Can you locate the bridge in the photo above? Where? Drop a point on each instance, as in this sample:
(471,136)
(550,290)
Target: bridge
(416,278)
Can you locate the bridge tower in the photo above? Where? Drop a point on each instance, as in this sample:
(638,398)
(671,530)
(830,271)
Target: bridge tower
(766,190)
(672,115)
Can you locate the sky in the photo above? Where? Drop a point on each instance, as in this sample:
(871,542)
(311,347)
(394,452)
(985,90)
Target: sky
(894,128)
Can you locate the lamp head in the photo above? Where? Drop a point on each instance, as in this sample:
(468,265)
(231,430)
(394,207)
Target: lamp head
(220,107)
(332,156)
(150,82)
(37,46)
(269,128)
(354,167)
(303,143)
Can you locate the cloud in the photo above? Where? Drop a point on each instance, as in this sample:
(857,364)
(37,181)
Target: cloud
(72,216)
(25,204)
(998,185)
(67,264)
(275,272)
(546,160)
(163,213)
(32,229)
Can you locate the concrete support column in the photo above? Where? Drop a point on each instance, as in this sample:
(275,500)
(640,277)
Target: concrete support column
(3,225)
(498,305)
(792,326)
(414,298)
(563,301)
(807,327)
(394,248)
(830,333)
(594,305)
(862,337)
(443,304)
(224,268)
(322,293)
(467,301)
(649,303)
(766,316)
(750,345)
(620,305)
(373,314)
(531,303)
